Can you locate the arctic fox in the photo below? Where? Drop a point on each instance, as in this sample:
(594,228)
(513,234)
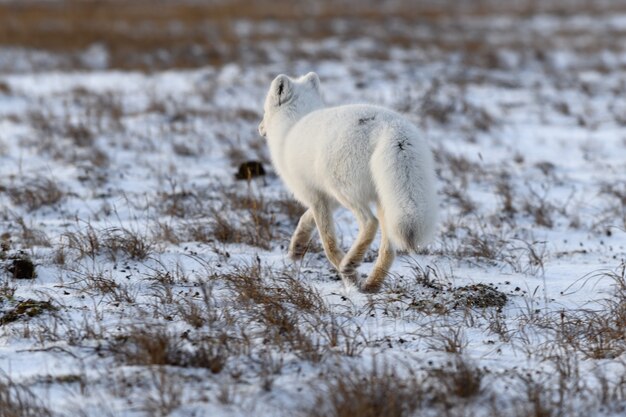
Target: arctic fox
(351,155)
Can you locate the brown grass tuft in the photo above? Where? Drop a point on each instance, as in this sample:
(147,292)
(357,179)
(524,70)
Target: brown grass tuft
(158,346)
(17,400)
(378,392)
(597,333)
(36,193)
(293,315)
(460,379)
(113,242)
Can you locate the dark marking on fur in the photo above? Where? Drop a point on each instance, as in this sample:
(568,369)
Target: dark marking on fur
(281,87)
(364,120)
(402,143)
(410,237)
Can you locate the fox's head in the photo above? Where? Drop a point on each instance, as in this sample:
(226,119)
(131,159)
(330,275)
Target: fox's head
(293,98)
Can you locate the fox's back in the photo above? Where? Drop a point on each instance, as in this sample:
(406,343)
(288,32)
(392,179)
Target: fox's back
(356,126)
(331,148)
(352,122)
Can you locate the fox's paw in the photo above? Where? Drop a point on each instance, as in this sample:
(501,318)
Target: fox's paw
(296,255)
(349,280)
(370,288)
(348,272)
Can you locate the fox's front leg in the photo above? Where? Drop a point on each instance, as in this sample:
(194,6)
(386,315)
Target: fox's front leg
(302,236)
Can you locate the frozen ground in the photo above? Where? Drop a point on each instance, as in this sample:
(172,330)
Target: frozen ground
(162,284)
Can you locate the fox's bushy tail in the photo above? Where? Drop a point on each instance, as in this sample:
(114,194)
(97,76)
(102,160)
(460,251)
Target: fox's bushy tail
(403,171)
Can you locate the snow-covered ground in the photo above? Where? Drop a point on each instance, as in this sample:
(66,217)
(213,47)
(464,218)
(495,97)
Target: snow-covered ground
(162,283)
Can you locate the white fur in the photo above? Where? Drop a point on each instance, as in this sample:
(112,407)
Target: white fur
(353,155)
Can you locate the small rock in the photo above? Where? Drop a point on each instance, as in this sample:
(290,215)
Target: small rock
(21,267)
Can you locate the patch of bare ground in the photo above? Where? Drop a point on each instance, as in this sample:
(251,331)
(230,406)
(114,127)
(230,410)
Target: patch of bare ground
(136,35)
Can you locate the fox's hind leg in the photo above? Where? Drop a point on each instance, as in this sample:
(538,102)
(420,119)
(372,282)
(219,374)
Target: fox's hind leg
(386,255)
(301,237)
(324,220)
(367,231)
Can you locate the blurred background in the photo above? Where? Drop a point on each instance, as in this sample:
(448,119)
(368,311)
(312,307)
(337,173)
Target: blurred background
(124,128)
(159,34)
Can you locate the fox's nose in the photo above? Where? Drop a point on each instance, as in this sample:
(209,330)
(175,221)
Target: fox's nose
(262,129)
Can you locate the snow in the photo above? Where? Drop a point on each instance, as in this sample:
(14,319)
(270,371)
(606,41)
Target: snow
(213,113)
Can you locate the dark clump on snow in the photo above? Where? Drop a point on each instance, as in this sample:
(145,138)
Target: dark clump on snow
(20,266)
(479,295)
(25,309)
(249,170)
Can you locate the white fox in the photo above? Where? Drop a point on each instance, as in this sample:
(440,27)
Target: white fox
(353,155)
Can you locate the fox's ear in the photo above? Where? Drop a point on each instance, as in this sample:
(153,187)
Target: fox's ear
(282,89)
(314,79)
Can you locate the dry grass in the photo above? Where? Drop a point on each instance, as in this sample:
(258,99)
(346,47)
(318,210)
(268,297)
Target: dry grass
(292,316)
(449,339)
(616,209)
(225,215)
(596,333)
(180,202)
(7,291)
(504,190)
(278,307)
(493,242)
(28,235)
(157,345)
(460,380)
(540,209)
(127,243)
(68,140)
(378,392)
(97,282)
(246,218)
(17,400)
(113,242)
(36,193)
(53,128)
(202,33)
(165,395)
(255,229)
